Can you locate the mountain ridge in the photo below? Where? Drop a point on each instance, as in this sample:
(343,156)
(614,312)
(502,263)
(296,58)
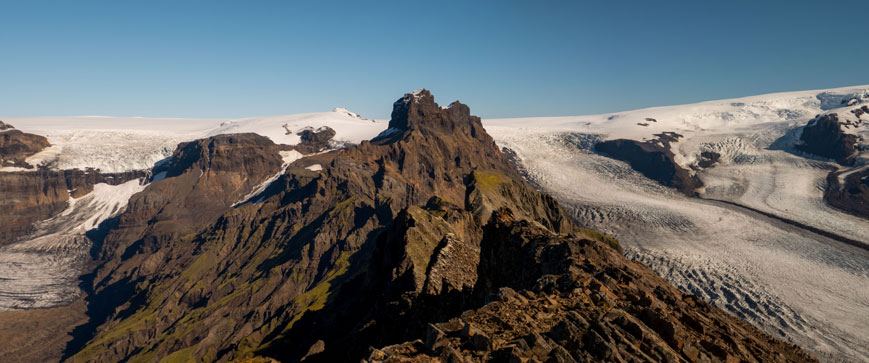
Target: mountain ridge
(403,214)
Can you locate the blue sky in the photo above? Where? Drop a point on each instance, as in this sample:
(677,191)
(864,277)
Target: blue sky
(504,59)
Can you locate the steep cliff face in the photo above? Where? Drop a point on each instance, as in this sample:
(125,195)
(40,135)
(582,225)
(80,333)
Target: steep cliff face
(357,247)
(16,146)
(29,197)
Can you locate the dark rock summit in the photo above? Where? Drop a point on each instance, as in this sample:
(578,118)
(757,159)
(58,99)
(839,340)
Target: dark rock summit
(424,240)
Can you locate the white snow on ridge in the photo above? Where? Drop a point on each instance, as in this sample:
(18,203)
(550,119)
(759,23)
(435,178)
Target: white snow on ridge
(288,158)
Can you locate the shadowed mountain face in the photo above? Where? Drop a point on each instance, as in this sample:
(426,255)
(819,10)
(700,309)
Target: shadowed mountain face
(366,246)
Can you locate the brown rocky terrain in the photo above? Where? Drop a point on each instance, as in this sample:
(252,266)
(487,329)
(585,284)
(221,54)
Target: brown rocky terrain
(16,146)
(32,196)
(39,335)
(576,299)
(386,238)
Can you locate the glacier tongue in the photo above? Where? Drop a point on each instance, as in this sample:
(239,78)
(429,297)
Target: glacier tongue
(795,285)
(42,269)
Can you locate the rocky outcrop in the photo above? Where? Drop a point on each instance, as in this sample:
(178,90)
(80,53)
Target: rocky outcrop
(16,146)
(823,136)
(852,196)
(29,197)
(312,141)
(367,249)
(654,159)
(555,298)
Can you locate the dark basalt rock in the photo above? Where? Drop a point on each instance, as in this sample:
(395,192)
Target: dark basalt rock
(29,197)
(860,111)
(708,158)
(654,159)
(313,141)
(853,196)
(16,146)
(823,136)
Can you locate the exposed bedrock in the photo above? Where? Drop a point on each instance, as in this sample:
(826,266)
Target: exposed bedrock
(545,297)
(823,136)
(852,196)
(311,140)
(654,159)
(29,197)
(16,146)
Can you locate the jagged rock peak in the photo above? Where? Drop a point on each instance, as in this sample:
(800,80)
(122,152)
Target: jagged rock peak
(419,110)
(4,126)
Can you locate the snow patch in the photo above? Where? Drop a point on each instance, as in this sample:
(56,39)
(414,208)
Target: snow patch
(288,158)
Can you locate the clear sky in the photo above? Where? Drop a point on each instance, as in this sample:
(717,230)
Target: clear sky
(504,59)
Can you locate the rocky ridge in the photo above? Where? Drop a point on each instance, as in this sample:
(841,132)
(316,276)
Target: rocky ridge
(367,246)
(579,300)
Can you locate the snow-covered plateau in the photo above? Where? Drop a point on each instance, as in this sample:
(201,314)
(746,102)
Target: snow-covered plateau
(745,243)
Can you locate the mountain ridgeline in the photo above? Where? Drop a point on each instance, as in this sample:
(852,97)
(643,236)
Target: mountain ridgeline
(423,242)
